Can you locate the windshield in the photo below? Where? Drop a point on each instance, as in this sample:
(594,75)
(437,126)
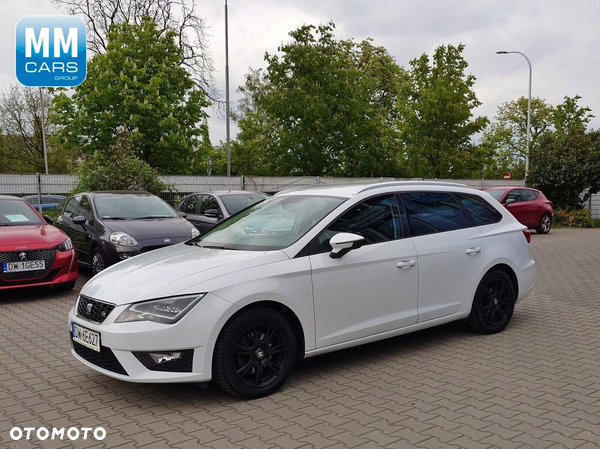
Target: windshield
(236,202)
(497,194)
(17,213)
(133,207)
(275,223)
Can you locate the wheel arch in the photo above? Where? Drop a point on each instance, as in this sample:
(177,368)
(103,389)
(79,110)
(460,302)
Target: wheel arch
(509,271)
(288,313)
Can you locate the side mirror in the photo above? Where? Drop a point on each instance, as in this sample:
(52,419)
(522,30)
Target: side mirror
(79,220)
(509,201)
(48,219)
(182,214)
(344,242)
(212,213)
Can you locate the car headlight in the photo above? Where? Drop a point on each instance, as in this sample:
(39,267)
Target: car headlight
(67,245)
(165,310)
(195,232)
(123,239)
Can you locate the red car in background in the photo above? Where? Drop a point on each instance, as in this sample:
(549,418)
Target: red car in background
(32,252)
(529,206)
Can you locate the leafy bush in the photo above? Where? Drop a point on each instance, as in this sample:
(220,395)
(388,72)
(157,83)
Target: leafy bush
(118,169)
(574,217)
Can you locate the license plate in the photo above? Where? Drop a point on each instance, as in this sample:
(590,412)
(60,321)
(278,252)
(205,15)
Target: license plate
(86,337)
(28,265)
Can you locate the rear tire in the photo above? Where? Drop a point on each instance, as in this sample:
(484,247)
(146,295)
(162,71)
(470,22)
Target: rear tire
(65,287)
(493,304)
(545,224)
(254,354)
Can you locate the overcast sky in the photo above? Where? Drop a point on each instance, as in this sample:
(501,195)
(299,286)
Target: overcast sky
(561,39)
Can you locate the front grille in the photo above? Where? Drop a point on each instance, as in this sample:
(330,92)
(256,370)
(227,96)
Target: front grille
(104,359)
(48,278)
(47,255)
(92,309)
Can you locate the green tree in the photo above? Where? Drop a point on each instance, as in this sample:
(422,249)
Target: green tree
(118,168)
(436,116)
(322,107)
(563,166)
(137,86)
(506,138)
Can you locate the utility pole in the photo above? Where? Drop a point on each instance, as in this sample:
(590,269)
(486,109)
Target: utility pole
(227,91)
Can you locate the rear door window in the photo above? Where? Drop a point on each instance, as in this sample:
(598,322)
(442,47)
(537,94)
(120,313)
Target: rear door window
(528,195)
(431,212)
(479,211)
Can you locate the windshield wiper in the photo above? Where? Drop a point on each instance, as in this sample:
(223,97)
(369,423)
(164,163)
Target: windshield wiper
(215,246)
(152,216)
(115,218)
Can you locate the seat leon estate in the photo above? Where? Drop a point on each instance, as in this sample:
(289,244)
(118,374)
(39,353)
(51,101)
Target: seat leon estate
(303,273)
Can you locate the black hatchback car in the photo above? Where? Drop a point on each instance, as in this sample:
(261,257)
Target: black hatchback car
(107,227)
(206,209)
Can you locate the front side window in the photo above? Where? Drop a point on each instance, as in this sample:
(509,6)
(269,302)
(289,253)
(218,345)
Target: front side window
(376,219)
(133,207)
(479,211)
(273,224)
(71,207)
(17,213)
(191,204)
(431,212)
(528,195)
(85,208)
(512,197)
(209,202)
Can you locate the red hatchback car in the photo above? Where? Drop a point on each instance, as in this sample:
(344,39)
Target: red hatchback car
(529,206)
(32,252)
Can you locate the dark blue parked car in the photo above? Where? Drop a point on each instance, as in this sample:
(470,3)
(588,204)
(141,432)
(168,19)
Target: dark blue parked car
(48,201)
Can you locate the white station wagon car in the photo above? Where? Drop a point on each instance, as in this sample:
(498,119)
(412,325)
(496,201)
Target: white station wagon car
(304,273)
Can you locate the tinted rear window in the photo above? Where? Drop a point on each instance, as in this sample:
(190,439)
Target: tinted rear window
(480,211)
(430,212)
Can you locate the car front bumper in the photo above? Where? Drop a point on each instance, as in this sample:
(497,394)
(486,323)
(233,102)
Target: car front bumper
(63,270)
(197,331)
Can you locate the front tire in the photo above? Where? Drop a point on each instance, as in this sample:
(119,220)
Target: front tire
(254,354)
(545,224)
(493,304)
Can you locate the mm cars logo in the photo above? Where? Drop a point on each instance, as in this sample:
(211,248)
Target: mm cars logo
(51,51)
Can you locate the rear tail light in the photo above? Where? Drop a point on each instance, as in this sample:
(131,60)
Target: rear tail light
(527,235)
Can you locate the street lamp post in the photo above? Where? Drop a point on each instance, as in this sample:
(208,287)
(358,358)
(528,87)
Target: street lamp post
(528,110)
(227,92)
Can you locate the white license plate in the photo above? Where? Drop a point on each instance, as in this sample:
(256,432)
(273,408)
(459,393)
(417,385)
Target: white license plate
(28,265)
(86,337)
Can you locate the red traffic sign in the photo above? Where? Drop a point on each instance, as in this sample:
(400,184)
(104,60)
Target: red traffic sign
(507,175)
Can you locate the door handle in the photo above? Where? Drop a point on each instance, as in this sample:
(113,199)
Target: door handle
(404,264)
(472,251)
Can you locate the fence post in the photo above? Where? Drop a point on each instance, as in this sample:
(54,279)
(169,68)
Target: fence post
(39,192)
(243,182)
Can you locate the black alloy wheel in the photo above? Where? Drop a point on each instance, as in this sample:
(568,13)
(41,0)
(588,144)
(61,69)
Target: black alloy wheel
(255,353)
(98,262)
(493,304)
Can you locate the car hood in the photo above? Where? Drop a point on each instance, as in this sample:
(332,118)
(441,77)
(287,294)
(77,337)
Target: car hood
(173,270)
(14,238)
(152,228)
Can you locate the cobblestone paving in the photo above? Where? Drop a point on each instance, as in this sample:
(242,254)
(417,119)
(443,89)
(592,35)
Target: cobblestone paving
(534,385)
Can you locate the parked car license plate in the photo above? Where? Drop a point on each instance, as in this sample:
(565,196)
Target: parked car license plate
(86,337)
(28,265)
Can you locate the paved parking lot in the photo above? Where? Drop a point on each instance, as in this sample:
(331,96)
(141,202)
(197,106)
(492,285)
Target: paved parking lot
(537,384)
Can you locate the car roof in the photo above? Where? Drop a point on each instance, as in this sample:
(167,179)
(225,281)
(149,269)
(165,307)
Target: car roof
(10,197)
(509,188)
(107,193)
(228,192)
(347,191)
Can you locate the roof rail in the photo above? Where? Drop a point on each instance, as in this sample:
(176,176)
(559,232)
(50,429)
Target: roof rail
(412,183)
